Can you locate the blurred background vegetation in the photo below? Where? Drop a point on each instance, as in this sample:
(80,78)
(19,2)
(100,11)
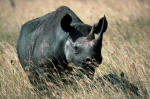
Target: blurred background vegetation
(126,44)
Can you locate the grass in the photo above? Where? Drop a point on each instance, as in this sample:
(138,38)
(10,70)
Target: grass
(125,49)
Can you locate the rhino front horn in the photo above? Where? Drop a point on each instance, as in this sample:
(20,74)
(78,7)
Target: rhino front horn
(102,26)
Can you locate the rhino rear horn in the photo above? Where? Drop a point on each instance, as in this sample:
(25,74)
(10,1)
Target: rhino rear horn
(91,36)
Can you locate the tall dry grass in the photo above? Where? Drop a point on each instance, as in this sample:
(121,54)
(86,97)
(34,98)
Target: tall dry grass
(126,46)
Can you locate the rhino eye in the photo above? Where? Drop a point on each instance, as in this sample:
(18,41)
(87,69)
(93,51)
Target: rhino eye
(76,48)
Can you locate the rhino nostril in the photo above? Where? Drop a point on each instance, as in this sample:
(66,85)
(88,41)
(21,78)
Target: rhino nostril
(88,59)
(93,60)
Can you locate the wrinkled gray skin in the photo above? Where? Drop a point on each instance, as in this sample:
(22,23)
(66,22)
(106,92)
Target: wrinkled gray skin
(60,38)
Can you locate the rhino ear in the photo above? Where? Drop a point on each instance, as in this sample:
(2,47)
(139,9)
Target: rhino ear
(65,22)
(101,26)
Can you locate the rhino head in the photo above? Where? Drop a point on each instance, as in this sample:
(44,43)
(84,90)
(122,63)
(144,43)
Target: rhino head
(84,50)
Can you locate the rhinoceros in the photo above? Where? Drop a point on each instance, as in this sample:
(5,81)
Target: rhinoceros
(49,43)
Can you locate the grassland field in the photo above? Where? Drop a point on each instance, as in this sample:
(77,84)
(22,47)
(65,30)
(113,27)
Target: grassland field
(126,45)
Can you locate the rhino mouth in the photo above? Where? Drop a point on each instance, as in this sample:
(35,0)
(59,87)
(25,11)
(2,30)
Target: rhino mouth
(87,68)
(90,63)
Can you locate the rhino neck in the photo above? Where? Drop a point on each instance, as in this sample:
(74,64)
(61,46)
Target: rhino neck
(61,39)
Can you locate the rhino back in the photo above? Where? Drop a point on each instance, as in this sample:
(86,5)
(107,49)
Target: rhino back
(42,37)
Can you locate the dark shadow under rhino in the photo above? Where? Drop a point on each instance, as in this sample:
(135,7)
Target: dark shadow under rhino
(118,82)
